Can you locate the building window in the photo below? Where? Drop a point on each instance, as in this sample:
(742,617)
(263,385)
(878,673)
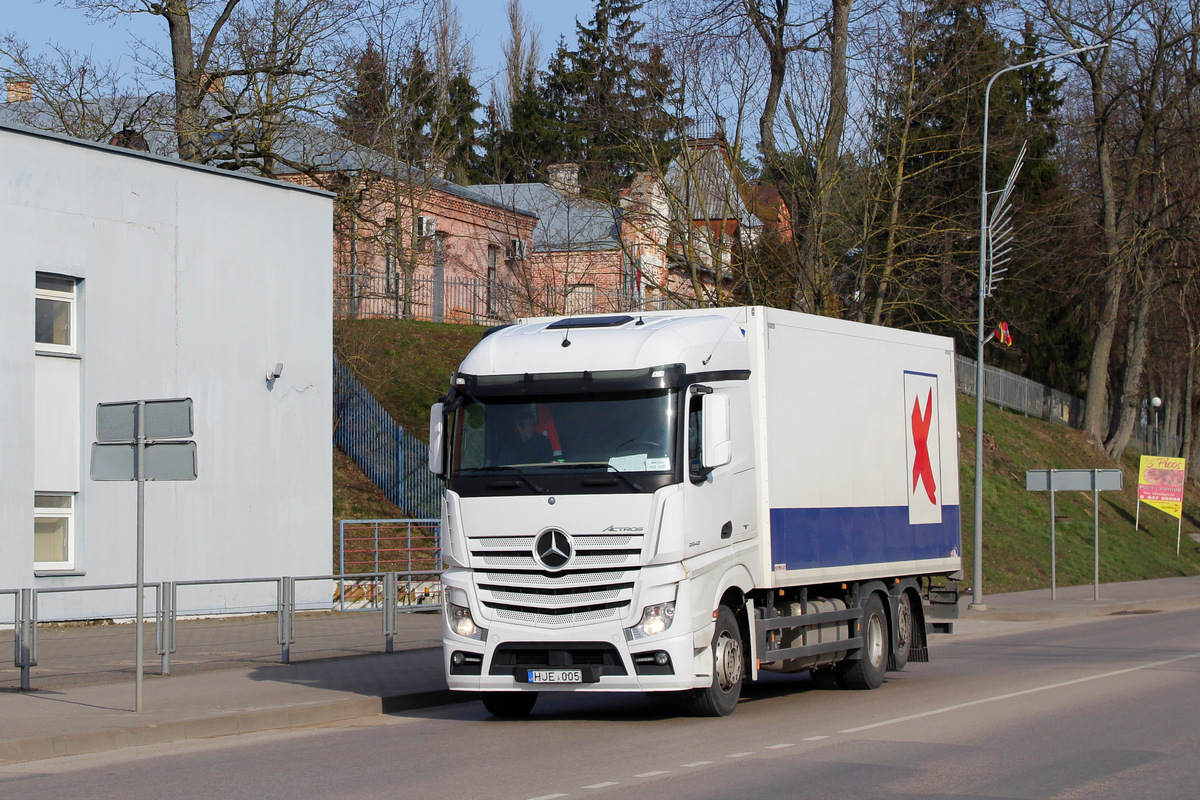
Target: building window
(53,531)
(54,314)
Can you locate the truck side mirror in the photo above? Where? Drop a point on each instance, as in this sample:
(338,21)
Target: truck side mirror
(717,445)
(437,418)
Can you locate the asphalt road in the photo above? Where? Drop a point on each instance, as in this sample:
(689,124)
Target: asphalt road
(1101,709)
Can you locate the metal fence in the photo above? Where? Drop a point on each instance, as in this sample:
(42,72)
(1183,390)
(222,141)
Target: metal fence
(394,460)
(387,595)
(1035,400)
(370,547)
(1020,394)
(478,302)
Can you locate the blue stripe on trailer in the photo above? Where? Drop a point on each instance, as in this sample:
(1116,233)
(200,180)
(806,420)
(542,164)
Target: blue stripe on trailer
(810,538)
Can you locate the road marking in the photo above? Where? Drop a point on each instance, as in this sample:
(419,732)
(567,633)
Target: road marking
(816,738)
(739,755)
(779,746)
(696,764)
(604,785)
(548,797)
(651,774)
(1021,693)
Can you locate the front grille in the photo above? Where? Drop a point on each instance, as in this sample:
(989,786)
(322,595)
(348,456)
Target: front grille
(597,584)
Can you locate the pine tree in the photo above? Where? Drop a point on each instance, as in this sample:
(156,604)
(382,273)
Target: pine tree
(618,88)
(541,128)
(415,110)
(457,126)
(364,110)
(935,125)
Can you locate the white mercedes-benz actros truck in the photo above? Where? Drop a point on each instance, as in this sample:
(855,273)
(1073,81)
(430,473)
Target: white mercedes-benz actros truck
(677,501)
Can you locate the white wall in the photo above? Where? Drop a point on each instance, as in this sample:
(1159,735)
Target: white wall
(194,283)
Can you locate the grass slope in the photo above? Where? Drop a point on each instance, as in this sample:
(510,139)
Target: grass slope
(1016,523)
(407,365)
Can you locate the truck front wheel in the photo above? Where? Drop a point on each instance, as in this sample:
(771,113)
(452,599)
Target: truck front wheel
(721,697)
(866,672)
(509,704)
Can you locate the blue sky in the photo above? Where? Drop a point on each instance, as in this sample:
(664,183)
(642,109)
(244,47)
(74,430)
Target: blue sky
(485,21)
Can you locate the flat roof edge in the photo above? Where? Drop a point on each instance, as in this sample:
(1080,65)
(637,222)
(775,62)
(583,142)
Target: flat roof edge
(175,162)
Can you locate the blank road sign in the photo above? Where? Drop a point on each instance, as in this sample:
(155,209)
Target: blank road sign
(165,419)
(165,461)
(1074,480)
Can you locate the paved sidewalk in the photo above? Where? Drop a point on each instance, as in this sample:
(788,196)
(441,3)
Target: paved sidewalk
(227,677)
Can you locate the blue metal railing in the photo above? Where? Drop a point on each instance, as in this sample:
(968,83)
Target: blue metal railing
(394,460)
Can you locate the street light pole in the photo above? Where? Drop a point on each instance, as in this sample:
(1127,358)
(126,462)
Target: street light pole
(977,583)
(1156,402)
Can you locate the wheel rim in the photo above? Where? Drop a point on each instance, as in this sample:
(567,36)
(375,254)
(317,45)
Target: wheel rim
(904,624)
(875,640)
(729,661)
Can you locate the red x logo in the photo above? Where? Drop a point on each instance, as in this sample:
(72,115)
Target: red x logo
(922,468)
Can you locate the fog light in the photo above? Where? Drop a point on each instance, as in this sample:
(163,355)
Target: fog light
(655,620)
(457,658)
(661,658)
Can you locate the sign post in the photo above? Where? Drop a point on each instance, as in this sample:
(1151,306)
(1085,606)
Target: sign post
(128,448)
(1075,480)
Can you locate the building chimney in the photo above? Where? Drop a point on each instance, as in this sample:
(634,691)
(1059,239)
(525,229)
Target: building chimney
(19,90)
(564,177)
(216,83)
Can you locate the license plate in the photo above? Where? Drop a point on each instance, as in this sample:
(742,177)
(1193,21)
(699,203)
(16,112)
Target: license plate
(555,676)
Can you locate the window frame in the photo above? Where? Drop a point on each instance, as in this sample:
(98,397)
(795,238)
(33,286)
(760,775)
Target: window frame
(71,298)
(68,514)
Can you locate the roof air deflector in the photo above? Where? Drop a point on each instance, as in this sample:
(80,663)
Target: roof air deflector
(590,322)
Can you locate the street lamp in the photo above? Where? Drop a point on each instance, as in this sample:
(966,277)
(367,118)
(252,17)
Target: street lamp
(977,588)
(1156,402)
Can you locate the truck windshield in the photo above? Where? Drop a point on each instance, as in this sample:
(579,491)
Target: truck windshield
(566,434)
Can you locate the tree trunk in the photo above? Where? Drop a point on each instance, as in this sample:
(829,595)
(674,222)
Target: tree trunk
(187,82)
(812,279)
(1130,407)
(1095,403)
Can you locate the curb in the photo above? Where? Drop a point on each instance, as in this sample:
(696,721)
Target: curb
(1072,609)
(268,719)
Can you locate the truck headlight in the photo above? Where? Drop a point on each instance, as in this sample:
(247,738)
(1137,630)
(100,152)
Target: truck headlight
(459,620)
(655,620)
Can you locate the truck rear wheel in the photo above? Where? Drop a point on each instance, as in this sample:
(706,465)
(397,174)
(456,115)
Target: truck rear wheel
(509,704)
(904,629)
(866,672)
(721,697)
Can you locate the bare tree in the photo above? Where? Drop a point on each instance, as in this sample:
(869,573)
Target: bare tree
(522,54)
(1154,55)
(260,51)
(69,93)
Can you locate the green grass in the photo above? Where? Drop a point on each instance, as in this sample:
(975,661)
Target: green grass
(1016,523)
(407,365)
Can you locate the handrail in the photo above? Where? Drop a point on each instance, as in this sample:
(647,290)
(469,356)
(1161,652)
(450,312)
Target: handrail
(26,617)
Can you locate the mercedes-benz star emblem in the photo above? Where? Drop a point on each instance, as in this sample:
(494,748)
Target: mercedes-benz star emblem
(552,549)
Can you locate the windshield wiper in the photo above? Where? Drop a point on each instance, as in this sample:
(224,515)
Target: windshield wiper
(611,473)
(520,473)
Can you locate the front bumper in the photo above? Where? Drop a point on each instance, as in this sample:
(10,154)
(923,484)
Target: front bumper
(600,658)
(598,650)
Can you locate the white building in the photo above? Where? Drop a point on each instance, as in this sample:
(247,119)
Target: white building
(125,276)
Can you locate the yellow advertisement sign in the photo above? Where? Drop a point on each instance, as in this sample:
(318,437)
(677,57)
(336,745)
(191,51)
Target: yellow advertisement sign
(1160,484)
